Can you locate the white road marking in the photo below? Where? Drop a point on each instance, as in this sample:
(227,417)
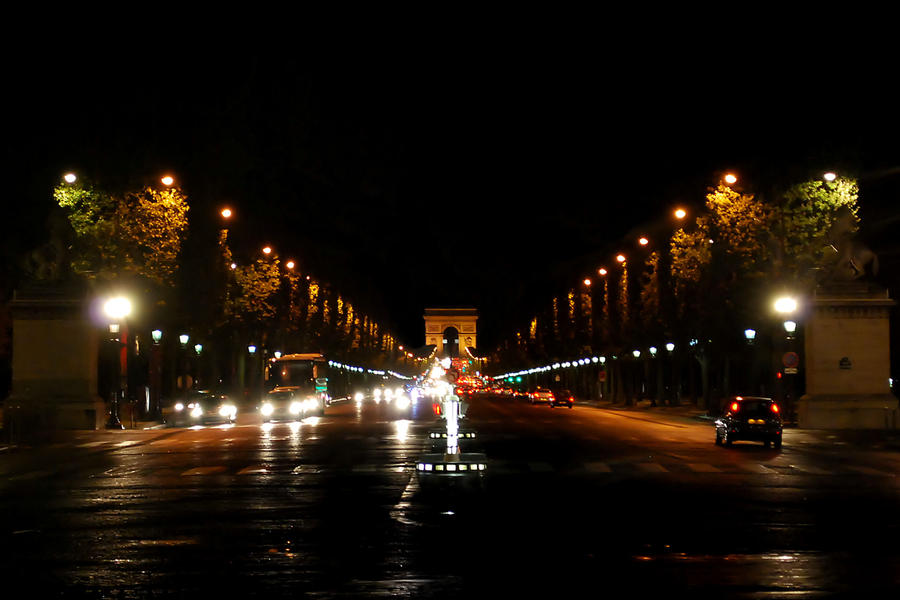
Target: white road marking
(253,470)
(651,468)
(703,468)
(203,471)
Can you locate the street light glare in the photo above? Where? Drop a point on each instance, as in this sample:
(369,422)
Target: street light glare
(730,178)
(267,250)
(829,176)
(785,305)
(70,177)
(117,308)
(620,258)
(226,212)
(167,180)
(289,264)
(587,282)
(680,213)
(643,241)
(601,271)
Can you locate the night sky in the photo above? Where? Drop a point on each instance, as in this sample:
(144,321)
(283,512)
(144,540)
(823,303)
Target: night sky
(478,178)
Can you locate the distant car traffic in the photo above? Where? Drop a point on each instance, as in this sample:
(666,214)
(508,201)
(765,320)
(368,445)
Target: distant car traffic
(562,398)
(750,418)
(203,407)
(540,395)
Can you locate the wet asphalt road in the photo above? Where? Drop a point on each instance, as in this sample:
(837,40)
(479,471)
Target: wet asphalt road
(575,503)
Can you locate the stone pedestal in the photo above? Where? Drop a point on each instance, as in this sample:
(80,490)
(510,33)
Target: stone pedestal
(848,360)
(54,362)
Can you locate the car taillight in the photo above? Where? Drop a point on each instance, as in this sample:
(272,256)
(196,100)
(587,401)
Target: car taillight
(775,408)
(735,407)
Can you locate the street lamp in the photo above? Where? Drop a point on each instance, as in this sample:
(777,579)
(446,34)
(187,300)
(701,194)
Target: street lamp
(670,347)
(226,213)
(183,338)
(680,213)
(643,241)
(251,349)
(750,335)
(155,373)
(167,180)
(730,178)
(829,176)
(117,309)
(790,327)
(785,305)
(70,178)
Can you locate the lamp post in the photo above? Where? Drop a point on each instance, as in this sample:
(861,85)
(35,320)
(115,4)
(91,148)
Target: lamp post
(116,310)
(183,340)
(786,306)
(155,374)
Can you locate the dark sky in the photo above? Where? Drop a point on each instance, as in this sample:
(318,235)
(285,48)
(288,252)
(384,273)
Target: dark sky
(481,178)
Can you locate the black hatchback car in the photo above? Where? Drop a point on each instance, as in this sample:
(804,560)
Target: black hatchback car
(750,418)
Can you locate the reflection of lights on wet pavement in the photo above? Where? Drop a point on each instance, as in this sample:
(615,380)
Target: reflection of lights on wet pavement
(195,427)
(295,427)
(402,428)
(225,426)
(267,427)
(402,402)
(313,421)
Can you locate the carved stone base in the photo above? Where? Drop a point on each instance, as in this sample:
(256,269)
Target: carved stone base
(845,412)
(848,359)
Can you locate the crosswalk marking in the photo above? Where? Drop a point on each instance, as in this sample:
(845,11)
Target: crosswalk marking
(651,468)
(253,470)
(757,468)
(598,467)
(811,470)
(203,471)
(703,468)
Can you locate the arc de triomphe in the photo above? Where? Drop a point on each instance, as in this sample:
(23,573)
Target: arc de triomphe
(451,330)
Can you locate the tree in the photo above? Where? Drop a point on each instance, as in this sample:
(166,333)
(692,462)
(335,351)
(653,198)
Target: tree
(133,234)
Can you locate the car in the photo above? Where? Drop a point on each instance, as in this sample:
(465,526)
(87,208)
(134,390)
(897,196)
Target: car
(203,407)
(540,395)
(562,398)
(750,418)
(289,403)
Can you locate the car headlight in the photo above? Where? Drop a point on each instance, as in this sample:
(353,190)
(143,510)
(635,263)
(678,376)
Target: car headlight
(295,408)
(267,409)
(227,410)
(197,411)
(179,406)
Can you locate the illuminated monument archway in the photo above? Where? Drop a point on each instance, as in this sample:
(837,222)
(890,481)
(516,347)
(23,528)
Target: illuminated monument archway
(451,330)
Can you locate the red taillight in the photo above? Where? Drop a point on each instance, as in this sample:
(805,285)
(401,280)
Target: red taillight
(735,407)
(436,408)
(775,408)
(571,399)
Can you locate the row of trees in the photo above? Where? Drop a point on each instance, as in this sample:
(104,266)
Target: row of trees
(701,285)
(133,242)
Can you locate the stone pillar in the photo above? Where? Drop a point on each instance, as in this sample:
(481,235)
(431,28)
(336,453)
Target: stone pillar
(848,360)
(54,362)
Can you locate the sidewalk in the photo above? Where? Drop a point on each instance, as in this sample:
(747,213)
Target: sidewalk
(142,432)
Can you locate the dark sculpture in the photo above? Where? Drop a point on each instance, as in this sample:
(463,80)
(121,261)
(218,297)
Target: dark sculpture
(852,256)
